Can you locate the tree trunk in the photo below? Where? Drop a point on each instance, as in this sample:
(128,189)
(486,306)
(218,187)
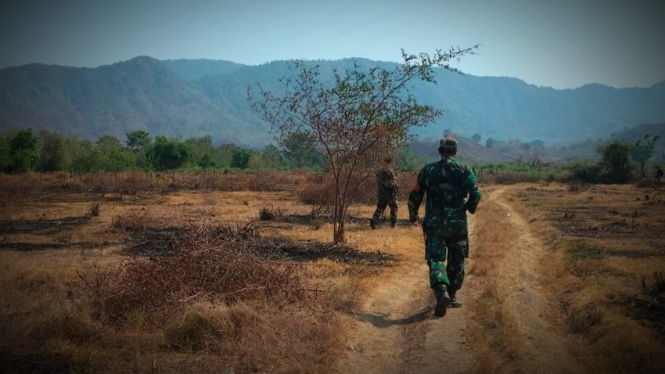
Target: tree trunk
(339,218)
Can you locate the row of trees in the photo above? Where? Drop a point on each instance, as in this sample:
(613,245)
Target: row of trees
(619,162)
(24,150)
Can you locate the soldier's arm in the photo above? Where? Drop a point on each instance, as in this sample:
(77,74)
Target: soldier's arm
(416,197)
(471,183)
(393,177)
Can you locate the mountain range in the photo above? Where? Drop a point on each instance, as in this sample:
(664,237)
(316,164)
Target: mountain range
(184,98)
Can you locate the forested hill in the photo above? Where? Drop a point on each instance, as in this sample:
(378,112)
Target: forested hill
(195,97)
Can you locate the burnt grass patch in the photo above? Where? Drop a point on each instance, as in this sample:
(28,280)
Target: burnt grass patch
(603,222)
(583,251)
(11,363)
(154,242)
(165,241)
(309,219)
(304,251)
(45,226)
(29,247)
(650,310)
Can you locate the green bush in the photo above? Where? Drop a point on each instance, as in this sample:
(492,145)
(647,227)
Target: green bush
(615,163)
(584,171)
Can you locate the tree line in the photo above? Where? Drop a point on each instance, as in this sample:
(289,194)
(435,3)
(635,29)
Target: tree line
(24,150)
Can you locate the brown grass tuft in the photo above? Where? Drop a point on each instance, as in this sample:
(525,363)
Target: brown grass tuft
(269,214)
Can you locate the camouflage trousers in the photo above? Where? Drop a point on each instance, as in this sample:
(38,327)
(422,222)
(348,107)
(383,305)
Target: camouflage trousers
(381,207)
(451,249)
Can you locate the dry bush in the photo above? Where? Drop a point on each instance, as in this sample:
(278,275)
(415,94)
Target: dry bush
(131,183)
(578,186)
(201,269)
(255,339)
(94,210)
(269,214)
(134,220)
(319,189)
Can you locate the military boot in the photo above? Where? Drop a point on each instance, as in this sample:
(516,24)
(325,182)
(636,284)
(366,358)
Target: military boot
(372,223)
(393,224)
(442,300)
(454,303)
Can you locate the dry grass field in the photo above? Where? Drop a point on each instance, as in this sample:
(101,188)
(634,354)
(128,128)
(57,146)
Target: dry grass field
(602,272)
(235,273)
(122,277)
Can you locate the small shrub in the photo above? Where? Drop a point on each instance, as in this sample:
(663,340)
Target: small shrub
(316,194)
(269,214)
(134,220)
(94,210)
(577,185)
(584,173)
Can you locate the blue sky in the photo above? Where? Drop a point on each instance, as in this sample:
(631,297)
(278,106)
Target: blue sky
(562,44)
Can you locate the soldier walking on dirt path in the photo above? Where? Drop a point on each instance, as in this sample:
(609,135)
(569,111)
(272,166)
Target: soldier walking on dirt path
(447,183)
(386,194)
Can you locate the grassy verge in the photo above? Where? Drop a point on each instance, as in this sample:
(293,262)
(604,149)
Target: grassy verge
(491,331)
(606,245)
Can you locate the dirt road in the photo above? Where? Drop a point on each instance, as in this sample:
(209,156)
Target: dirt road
(395,331)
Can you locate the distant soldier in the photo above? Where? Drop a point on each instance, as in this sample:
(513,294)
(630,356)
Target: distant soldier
(447,183)
(658,175)
(386,194)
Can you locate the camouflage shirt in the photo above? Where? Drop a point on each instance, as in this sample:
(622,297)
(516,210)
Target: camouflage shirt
(385,179)
(447,182)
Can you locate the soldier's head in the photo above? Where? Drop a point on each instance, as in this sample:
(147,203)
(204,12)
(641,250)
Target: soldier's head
(448,147)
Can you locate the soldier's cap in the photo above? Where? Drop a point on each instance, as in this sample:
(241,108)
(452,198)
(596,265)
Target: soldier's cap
(448,144)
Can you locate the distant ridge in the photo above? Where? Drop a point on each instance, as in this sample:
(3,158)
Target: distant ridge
(192,70)
(195,97)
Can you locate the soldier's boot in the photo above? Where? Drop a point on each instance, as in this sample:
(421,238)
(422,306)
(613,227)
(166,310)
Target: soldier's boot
(393,223)
(372,223)
(454,303)
(442,300)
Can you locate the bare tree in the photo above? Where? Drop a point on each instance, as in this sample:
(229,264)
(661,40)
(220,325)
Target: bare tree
(352,118)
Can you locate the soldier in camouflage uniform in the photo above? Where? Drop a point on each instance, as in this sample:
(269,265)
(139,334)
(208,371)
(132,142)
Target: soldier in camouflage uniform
(387,194)
(447,183)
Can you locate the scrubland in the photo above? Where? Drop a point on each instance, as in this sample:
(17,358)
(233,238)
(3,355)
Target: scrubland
(235,273)
(119,273)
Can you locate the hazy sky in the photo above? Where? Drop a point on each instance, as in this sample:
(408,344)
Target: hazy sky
(558,43)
